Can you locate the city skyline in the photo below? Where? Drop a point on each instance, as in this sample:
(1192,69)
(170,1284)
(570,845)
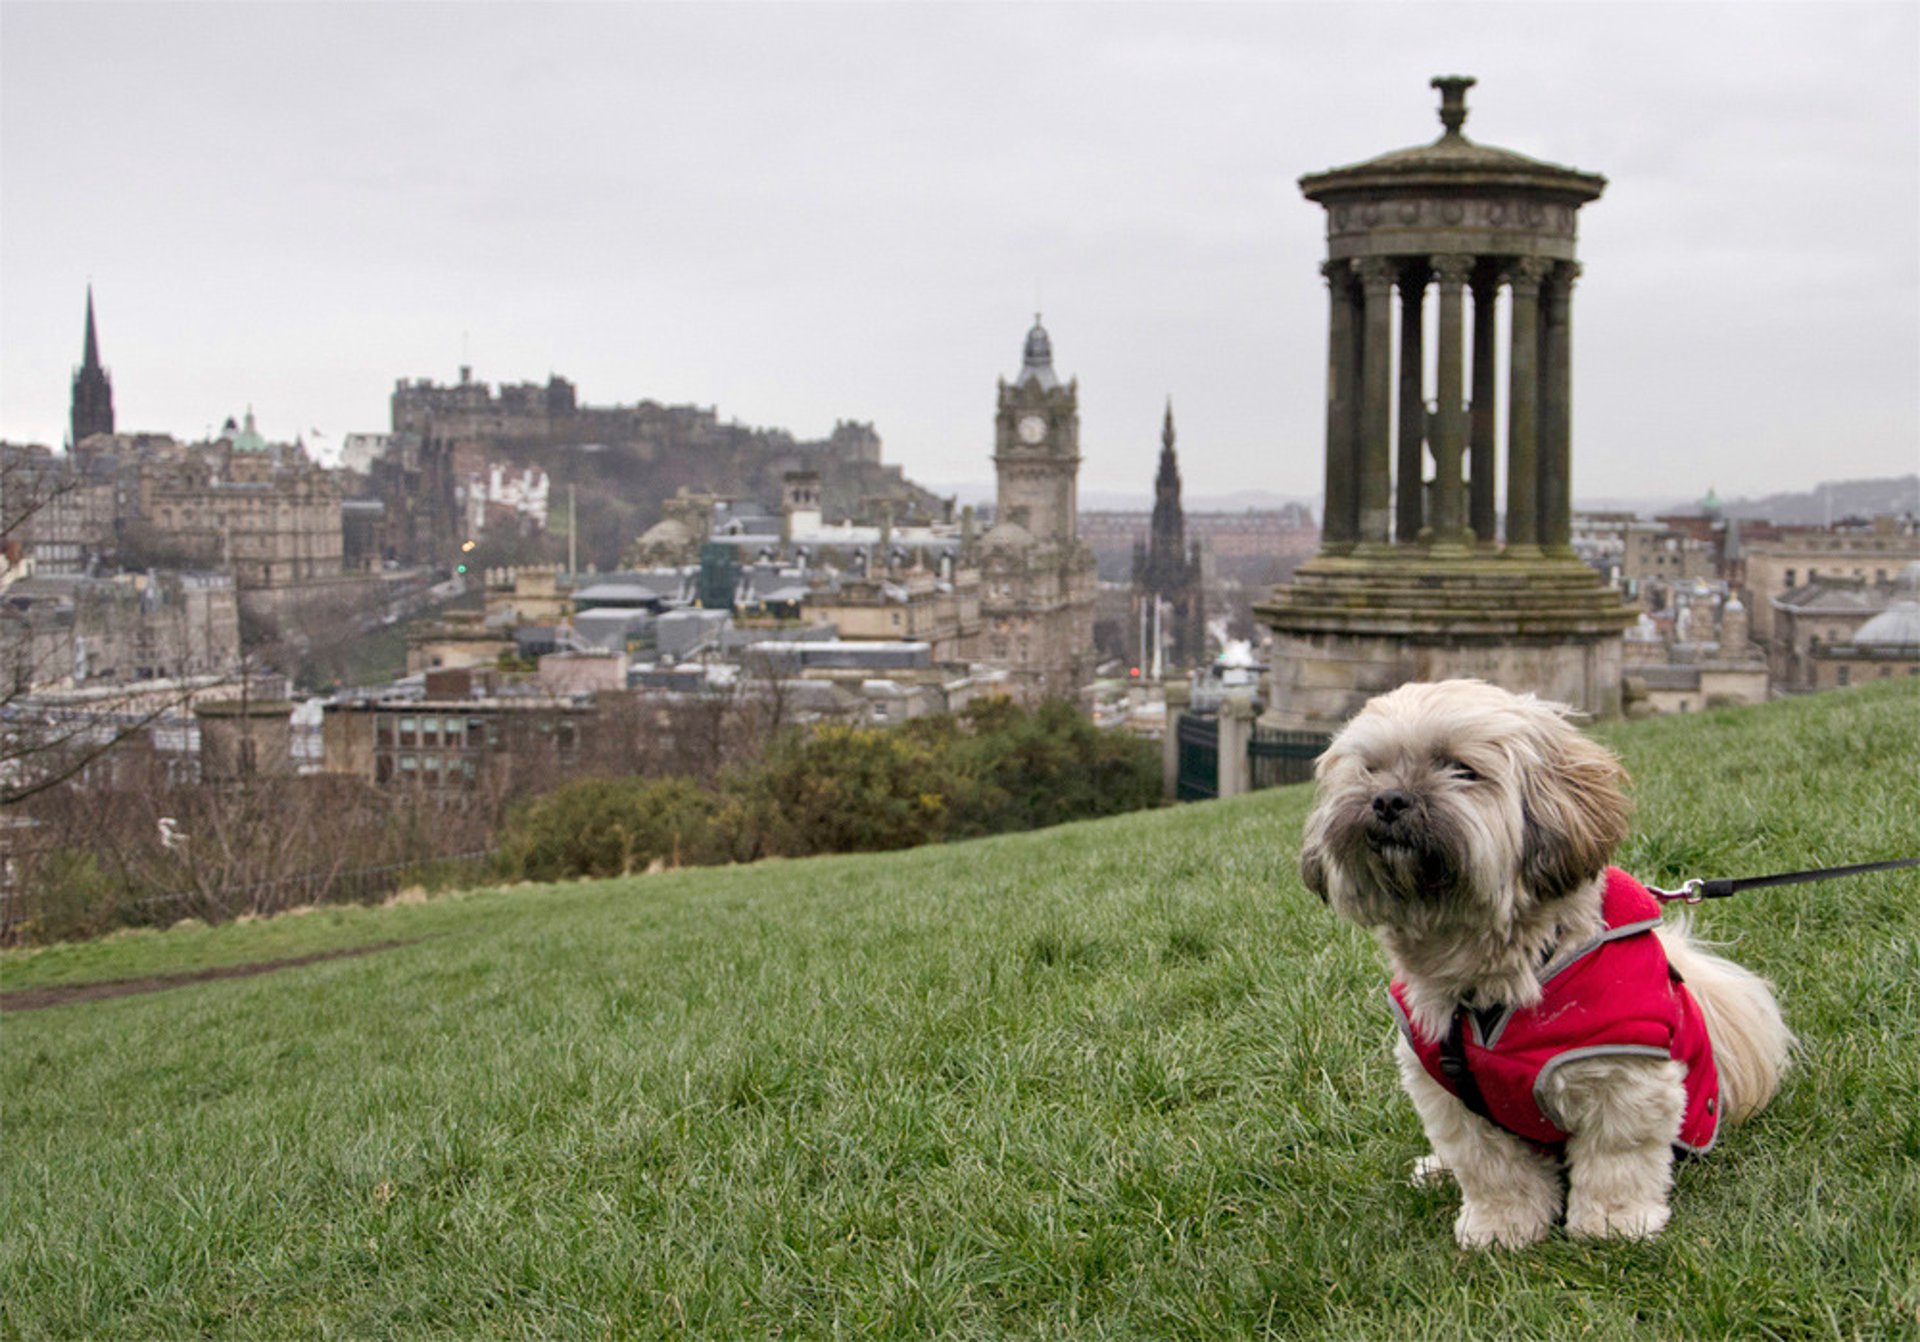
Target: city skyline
(799,214)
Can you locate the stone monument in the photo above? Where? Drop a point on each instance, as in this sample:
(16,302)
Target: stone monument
(1417,579)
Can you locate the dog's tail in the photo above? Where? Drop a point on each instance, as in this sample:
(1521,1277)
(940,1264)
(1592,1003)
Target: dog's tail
(1751,1041)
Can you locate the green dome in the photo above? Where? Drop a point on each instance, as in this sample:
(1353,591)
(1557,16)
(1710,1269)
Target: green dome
(249,439)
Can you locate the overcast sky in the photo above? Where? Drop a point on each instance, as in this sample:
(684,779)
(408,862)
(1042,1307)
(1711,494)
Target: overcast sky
(805,212)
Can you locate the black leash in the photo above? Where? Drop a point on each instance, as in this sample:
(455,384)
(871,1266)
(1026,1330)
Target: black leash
(1695,890)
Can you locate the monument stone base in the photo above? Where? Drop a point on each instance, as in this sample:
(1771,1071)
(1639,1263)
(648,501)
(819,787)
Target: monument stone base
(1348,628)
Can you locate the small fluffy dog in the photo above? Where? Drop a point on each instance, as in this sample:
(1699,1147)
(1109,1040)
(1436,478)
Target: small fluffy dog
(1547,1020)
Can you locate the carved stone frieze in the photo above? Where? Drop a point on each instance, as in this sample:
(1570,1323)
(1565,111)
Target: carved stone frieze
(1516,213)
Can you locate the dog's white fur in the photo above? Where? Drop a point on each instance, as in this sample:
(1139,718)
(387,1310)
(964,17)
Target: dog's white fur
(1496,824)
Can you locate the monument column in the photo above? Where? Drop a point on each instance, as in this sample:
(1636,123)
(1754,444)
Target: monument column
(1409,505)
(1556,406)
(1340,527)
(1450,429)
(1523,408)
(1412,581)
(1482,456)
(1376,395)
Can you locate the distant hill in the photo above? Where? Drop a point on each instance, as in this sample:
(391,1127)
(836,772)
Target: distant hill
(1896,496)
(1246,500)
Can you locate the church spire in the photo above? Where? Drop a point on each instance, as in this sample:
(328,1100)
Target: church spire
(1169,465)
(92,410)
(90,357)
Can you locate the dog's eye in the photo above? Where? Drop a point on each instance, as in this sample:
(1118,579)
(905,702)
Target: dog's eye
(1463,772)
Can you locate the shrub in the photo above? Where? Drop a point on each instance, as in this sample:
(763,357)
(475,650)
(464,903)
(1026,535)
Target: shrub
(75,897)
(841,789)
(1049,766)
(609,827)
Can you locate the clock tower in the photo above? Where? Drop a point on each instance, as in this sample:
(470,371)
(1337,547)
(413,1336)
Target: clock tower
(1036,449)
(1037,577)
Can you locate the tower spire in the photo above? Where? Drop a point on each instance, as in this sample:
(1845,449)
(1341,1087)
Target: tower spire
(92,406)
(90,356)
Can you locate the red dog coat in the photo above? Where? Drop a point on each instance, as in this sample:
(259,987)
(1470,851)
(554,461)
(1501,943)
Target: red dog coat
(1615,995)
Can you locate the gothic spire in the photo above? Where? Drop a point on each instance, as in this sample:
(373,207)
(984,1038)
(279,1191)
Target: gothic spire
(92,406)
(1168,528)
(90,357)
(1169,466)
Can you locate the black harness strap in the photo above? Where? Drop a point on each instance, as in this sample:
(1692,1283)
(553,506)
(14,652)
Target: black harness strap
(1453,1062)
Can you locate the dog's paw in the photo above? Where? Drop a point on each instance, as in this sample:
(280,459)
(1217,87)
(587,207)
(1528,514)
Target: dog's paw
(1429,1171)
(1595,1220)
(1508,1225)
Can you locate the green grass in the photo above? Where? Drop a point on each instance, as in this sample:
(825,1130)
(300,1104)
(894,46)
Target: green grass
(1124,1078)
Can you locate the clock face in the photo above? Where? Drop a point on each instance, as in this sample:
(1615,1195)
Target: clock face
(1033,429)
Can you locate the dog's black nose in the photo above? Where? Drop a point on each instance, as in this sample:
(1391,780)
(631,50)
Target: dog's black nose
(1389,805)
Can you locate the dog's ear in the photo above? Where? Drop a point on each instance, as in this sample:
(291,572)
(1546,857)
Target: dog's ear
(1574,795)
(1313,869)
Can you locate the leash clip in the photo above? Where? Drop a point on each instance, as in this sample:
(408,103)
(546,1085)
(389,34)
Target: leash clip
(1688,891)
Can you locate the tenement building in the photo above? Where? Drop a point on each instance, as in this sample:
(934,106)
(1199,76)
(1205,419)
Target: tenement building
(1036,575)
(1419,577)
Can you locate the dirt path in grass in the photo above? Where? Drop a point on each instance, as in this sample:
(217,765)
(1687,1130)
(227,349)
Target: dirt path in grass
(66,994)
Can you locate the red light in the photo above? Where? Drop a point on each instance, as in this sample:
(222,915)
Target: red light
(1135,673)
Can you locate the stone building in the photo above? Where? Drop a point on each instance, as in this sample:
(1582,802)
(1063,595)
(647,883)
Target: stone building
(245,738)
(76,633)
(59,515)
(913,604)
(1633,551)
(1419,577)
(1037,576)
(1695,654)
(1873,554)
(1167,575)
(1814,617)
(274,523)
(452,743)
(1886,646)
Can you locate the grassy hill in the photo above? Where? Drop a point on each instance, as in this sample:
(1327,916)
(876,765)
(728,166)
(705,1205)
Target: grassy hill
(1124,1078)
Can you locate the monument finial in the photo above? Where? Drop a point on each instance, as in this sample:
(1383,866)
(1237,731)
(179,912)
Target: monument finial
(1453,100)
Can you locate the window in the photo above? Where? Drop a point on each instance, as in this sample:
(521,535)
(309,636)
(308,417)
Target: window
(383,729)
(1845,675)
(409,731)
